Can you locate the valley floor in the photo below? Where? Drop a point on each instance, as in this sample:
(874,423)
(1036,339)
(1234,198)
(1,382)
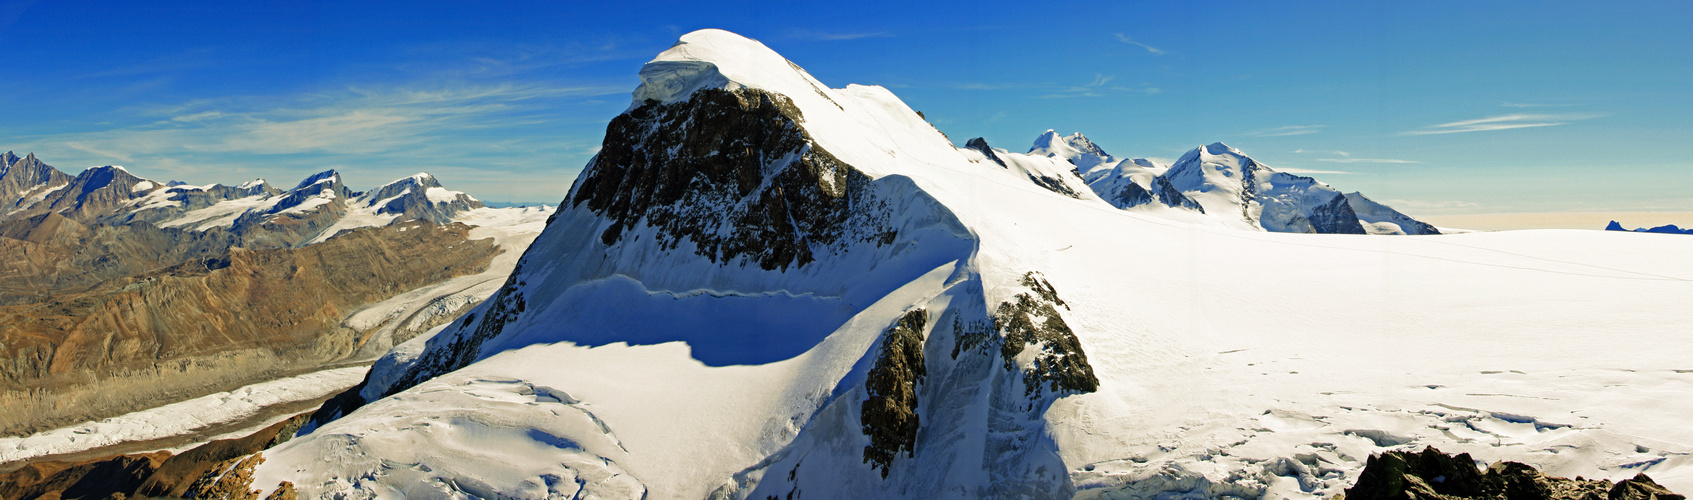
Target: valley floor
(185,424)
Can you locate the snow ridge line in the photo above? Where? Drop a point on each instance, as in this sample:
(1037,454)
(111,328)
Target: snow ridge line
(697,292)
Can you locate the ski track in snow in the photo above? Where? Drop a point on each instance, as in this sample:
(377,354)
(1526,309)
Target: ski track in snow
(180,418)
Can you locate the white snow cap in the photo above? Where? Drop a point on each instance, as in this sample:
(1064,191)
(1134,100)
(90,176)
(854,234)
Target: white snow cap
(1068,147)
(714,58)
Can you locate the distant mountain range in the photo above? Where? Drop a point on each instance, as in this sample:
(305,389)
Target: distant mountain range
(120,292)
(316,209)
(1665,229)
(1215,180)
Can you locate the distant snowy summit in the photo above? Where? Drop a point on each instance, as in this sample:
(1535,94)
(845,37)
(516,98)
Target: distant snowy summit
(1215,180)
(1665,229)
(316,209)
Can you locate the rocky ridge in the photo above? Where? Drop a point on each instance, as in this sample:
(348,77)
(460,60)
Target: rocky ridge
(1434,475)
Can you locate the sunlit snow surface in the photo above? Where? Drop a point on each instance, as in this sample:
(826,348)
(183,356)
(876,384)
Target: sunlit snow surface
(1231,362)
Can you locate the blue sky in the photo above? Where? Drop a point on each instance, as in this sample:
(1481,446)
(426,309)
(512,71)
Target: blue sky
(1440,108)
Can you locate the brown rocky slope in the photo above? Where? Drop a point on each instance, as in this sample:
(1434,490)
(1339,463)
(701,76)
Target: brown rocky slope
(211,323)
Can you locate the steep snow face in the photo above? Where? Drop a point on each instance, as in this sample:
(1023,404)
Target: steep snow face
(1221,179)
(1247,194)
(1382,219)
(1139,184)
(763,287)
(1050,172)
(1075,148)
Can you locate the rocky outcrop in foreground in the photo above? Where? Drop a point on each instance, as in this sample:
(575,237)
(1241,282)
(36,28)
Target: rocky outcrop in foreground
(1435,475)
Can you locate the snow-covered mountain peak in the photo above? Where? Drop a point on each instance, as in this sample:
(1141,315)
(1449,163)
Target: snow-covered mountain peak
(1218,148)
(1074,148)
(419,180)
(712,58)
(1070,147)
(324,176)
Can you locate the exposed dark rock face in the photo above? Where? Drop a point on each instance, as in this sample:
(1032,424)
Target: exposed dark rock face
(1055,185)
(1169,195)
(1335,217)
(980,144)
(229,480)
(971,336)
(156,474)
(21,178)
(96,479)
(1032,319)
(1130,195)
(889,414)
(1371,212)
(94,194)
(1431,474)
(177,474)
(696,170)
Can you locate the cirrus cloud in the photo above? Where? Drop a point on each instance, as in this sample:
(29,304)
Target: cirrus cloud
(1501,122)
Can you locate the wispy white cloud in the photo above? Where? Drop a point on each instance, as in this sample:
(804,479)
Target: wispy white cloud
(382,130)
(1285,131)
(1345,157)
(1150,49)
(1100,86)
(1502,122)
(354,121)
(827,36)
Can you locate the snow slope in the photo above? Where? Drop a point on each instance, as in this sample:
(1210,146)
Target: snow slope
(960,331)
